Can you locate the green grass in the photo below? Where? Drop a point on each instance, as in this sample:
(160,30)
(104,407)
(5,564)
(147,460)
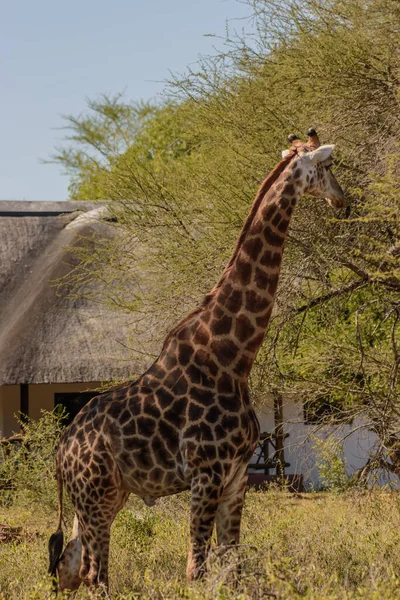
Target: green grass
(314,546)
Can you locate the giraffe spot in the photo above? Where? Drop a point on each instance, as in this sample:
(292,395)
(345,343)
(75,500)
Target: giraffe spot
(204,397)
(181,386)
(289,189)
(244,328)
(271,259)
(213,414)
(221,326)
(289,211)
(195,412)
(206,317)
(205,380)
(255,343)
(201,336)
(268,211)
(184,334)
(230,422)
(91,437)
(124,417)
(276,219)
(157,371)
(211,453)
(151,408)
(242,271)
(255,303)
(297,174)
(172,378)
(272,283)
(283,225)
(130,428)
(273,239)
(120,394)
(225,384)
(200,431)
(175,415)
(156,474)
(243,366)
(135,406)
(193,374)
(252,247)
(167,432)
(144,461)
(201,357)
(224,451)
(285,201)
(261,279)
(164,398)
(80,436)
(234,301)
(185,353)
(225,351)
(225,292)
(169,478)
(238,438)
(231,403)
(213,368)
(146,426)
(114,410)
(257,227)
(98,422)
(169,361)
(217,311)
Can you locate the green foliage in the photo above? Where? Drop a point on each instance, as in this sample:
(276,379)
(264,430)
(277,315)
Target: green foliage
(317,546)
(331,465)
(27,470)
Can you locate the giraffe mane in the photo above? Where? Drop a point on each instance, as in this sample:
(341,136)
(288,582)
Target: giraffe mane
(263,189)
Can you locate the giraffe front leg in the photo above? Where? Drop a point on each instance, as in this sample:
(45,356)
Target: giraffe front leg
(205,494)
(70,563)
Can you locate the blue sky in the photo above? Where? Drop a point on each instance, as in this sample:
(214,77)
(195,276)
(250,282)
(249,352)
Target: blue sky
(54,55)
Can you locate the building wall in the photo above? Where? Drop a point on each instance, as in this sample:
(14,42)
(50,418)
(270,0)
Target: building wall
(9,405)
(299,446)
(300,451)
(41,396)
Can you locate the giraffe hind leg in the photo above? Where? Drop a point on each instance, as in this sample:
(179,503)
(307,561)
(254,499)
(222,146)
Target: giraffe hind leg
(229,513)
(95,536)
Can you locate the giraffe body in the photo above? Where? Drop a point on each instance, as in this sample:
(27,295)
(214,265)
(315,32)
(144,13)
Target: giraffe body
(187,423)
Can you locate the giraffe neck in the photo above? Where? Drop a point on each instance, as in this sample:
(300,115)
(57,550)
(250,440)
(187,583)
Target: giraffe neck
(238,309)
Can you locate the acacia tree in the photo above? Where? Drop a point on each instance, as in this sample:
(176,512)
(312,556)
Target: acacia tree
(179,179)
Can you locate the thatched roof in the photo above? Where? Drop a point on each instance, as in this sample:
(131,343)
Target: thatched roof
(47,335)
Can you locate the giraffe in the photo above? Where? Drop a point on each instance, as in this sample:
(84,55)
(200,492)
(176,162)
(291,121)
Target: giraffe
(187,423)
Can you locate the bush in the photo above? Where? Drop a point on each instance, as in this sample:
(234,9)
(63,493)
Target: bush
(27,471)
(331,464)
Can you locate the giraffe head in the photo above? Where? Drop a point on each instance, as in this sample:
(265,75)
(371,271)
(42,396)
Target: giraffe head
(313,169)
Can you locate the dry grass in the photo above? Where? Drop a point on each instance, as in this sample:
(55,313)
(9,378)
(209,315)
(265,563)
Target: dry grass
(316,546)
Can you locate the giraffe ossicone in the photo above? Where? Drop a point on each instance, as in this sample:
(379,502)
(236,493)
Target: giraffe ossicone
(187,422)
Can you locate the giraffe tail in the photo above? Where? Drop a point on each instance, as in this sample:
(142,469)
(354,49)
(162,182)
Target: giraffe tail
(56,541)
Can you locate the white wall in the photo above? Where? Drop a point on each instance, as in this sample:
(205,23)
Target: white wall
(300,452)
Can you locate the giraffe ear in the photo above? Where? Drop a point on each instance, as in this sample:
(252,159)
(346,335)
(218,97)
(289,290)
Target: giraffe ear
(285,153)
(320,154)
